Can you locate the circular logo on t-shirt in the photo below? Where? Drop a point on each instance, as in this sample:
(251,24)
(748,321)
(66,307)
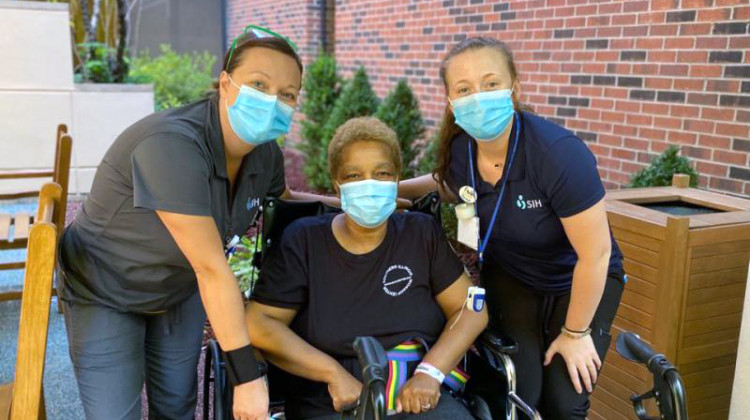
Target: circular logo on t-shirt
(397,279)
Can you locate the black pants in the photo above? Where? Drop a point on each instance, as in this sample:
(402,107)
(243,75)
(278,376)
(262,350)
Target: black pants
(534,320)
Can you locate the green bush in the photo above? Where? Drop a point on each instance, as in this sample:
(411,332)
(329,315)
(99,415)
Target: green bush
(428,160)
(322,88)
(97,61)
(357,99)
(178,78)
(241,263)
(400,110)
(659,173)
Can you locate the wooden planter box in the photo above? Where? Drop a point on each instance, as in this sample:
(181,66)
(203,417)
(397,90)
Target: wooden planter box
(687,278)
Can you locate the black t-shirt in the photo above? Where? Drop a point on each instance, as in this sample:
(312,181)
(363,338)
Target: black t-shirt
(388,293)
(117,252)
(552,176)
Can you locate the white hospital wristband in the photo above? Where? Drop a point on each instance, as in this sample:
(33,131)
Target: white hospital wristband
(430,371)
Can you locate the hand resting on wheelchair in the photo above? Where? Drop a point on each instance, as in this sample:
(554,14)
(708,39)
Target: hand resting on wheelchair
(365,272)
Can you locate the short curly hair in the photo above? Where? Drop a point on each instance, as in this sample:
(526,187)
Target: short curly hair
(362,129)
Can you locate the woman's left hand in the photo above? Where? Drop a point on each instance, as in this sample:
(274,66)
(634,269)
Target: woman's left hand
(581,358)
(420,394)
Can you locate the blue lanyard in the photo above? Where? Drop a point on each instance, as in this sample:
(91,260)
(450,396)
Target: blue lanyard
(483,243)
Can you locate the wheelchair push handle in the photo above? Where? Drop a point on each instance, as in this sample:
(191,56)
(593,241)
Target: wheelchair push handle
(630,346)
(373,361)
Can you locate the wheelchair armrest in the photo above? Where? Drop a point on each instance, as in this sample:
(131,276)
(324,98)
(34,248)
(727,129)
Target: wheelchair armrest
(498,342)
(374,361)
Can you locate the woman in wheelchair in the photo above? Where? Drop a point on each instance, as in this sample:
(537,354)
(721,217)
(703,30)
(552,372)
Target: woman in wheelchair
(365,272)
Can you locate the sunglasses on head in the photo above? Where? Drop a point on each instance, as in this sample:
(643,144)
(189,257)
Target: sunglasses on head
(258,32)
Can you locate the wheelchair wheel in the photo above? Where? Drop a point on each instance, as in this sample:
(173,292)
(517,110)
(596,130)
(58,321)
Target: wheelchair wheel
(215,373)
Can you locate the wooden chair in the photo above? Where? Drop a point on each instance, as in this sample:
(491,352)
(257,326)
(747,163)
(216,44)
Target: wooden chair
(21,221)
(23,399)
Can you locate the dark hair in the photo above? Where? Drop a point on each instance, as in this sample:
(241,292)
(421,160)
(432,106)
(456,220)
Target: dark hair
(249,41)
(448,127)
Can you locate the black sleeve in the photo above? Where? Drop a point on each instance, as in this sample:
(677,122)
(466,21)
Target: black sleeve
(278,182)
(284,278)
(570,177)
(171,173)
(445,267)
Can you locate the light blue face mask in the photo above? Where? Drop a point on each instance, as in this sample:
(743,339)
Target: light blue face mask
(370,202)
(258,118)
(484,115)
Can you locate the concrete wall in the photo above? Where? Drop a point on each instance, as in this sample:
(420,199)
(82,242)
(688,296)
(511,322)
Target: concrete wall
(37,93)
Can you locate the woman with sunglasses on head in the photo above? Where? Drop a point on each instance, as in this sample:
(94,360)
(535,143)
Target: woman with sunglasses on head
(144,261)
(533,208)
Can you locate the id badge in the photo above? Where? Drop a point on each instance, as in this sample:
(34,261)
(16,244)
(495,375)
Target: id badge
(468,232)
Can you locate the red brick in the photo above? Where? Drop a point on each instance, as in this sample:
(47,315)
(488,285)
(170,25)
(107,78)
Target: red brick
(714,142)
(705,71)
(655,109)
(684,111)
(662,56)
(682,137)
(659,147)
(633,31)
(673,123)
(741,13)
(635,144)
(712,15)
(663,4)
(695,29)
(739,42)
(723,85)
(711,42)
(734,158)
(734,130)
(652,17)
(688,84)
(627,106)
(699,125)
(663,30)
(639,119)
(743,116)
(673,69)
(652,133)
(625,130)
(602,103)
(692,56)
(623,154)
(721,114)
(610,140)
(649,43)
(718,3)
(693,4)
(711,168)
(647,69)
(696,152)
(629,19)
(724,184)
(682,43)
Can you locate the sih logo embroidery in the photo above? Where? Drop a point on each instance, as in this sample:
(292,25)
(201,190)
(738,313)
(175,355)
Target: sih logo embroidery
(528,204)
(252,203)
(397,279)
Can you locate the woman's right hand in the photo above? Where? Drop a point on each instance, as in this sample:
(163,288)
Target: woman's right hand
(344,389)
(251,400)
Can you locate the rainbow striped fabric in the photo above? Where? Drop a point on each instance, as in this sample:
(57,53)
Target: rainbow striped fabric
(401,361)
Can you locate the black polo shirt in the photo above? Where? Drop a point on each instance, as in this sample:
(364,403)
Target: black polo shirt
(388,293)
(553,175)
(117,252)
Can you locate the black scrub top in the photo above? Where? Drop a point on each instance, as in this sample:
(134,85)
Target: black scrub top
(117,252)
(388,293)
(553,175)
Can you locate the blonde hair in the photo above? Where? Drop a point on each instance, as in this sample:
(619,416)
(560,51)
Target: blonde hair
(362,129)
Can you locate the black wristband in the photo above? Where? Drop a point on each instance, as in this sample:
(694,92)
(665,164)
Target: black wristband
(242,367)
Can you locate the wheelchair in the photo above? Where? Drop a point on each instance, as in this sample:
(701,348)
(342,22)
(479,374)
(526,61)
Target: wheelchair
(490,354)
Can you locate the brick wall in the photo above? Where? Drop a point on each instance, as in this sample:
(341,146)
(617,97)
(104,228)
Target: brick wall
(630,77)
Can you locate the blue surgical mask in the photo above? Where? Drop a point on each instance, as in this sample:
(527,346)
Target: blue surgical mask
(484,115)
(258,118)
(370,202)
